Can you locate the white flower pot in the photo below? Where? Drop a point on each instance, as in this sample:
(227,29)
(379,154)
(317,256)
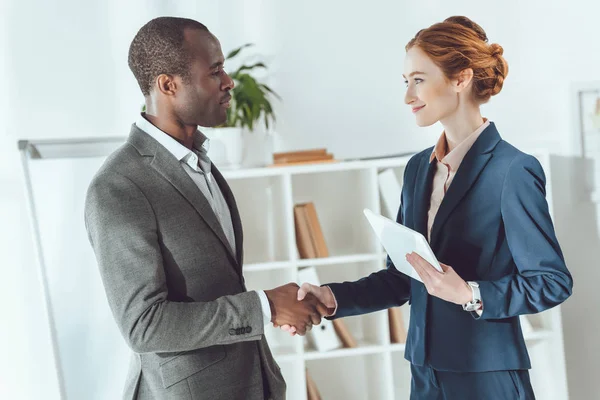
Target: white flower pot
(226,149)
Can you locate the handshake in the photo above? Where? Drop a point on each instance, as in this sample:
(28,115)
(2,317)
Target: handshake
(296,309)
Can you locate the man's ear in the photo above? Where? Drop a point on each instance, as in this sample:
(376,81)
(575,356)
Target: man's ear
(166,84)
(463,80)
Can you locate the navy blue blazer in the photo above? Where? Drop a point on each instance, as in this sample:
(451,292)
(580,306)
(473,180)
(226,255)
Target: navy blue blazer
(493,226)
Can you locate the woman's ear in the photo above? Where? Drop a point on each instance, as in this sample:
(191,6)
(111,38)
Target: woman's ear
(463,80)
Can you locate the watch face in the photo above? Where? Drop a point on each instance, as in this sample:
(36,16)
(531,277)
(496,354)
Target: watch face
(472,306)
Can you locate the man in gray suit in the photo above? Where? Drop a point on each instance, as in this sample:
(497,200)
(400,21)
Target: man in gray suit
(168,237)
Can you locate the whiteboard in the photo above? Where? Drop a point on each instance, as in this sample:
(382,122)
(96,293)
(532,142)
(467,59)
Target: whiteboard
(91,355)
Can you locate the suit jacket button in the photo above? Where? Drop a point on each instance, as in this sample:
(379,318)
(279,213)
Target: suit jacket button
(238,331)
(232,331)
(248,329)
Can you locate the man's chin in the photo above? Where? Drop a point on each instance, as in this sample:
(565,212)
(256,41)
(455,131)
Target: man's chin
(216,123)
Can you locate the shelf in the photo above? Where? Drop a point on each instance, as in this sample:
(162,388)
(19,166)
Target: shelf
(313,262)
(371,348)
(284,353)
(353,258)
(348,165)
(397,346)
(268,266)
(363,348)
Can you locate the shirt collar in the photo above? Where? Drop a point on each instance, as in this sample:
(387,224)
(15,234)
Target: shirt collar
(179,151)
(454,158)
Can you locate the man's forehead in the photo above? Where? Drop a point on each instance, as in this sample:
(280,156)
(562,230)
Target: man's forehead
(203,44)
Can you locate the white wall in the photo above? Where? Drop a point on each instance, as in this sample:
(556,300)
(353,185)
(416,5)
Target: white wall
(340,64)
(337,65)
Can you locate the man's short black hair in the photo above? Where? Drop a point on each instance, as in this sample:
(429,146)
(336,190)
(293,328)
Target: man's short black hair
(158,48)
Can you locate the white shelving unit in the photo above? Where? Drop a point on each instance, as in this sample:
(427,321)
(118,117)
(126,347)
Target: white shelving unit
(340,191)
(57,174)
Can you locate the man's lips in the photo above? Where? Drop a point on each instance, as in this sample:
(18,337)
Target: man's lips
(226,100)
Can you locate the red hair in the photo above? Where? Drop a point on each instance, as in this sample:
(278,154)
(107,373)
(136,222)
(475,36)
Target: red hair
(459,43)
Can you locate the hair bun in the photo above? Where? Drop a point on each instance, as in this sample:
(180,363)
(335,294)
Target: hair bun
(496,50)
(466,22)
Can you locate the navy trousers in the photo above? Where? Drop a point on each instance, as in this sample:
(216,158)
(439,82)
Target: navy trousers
(429,384)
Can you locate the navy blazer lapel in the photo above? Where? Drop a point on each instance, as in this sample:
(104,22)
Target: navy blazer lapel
(471,167)
(422,194)
(170,168)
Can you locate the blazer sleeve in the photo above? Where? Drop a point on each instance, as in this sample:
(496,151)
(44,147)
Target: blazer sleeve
(123,232)
(542,280)
(380,290)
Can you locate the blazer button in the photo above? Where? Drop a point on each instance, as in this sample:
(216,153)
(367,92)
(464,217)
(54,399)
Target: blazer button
(238,331)
(248,329)
(232,331)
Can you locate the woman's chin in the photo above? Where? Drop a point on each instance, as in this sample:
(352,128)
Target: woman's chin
(424,122)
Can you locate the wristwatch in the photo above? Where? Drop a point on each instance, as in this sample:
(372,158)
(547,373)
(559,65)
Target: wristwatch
(476,303)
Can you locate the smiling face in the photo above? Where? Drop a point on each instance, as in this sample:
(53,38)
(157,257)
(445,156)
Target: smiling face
(430,94)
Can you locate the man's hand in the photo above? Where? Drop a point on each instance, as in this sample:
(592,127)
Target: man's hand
(286,309)
(322,293)
(446,285)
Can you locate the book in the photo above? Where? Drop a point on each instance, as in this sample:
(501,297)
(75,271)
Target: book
(300,157)
(291,164)
(316,231)
(309,235)
(397,328)
(312,392)
(311,152)
(304,240)
(344,334)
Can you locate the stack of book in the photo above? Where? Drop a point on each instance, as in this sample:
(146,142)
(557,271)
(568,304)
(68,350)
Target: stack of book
(309,235)
(301,157)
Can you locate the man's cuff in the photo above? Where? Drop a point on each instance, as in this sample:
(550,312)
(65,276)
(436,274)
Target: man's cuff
(266,308)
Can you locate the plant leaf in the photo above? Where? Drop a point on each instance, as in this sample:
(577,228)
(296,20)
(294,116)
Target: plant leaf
(235,52)
(249,67)
(268,89)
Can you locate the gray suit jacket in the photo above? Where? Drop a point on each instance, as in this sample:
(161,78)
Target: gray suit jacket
(174,286)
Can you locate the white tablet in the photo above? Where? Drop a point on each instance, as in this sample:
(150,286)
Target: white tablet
(398,241)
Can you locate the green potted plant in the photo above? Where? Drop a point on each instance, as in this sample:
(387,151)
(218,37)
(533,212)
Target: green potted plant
(250,105)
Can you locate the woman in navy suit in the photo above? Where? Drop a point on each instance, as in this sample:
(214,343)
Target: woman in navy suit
(481,204)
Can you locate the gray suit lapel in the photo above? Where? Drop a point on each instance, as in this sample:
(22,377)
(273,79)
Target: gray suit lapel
(235,215)
(170,168)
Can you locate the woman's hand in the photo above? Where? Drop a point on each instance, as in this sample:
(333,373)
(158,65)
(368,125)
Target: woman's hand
(446,285)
